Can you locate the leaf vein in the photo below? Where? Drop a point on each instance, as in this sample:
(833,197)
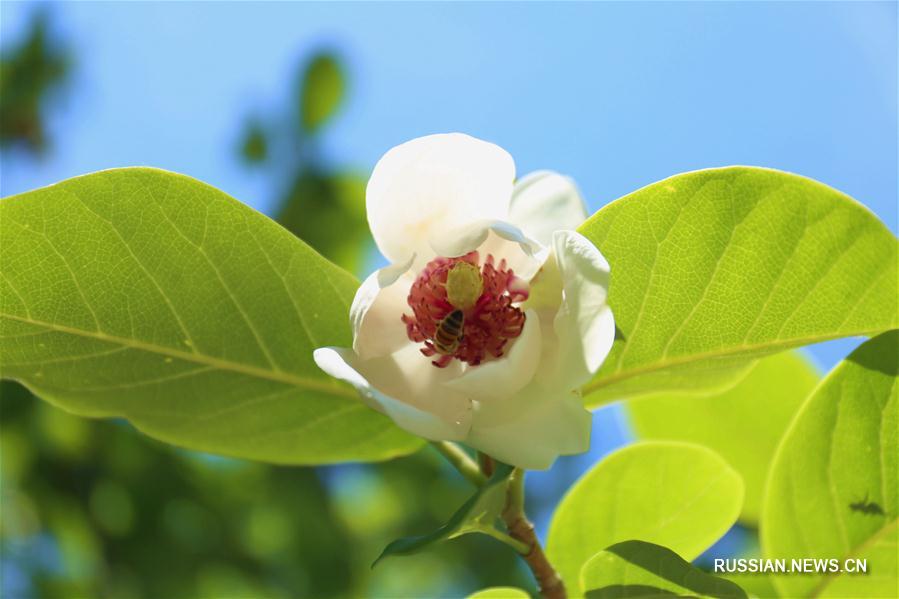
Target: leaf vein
(219,363)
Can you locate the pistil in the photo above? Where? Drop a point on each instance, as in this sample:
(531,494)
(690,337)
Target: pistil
(487,296)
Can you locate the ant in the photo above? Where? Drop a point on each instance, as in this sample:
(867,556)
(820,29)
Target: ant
(866,508)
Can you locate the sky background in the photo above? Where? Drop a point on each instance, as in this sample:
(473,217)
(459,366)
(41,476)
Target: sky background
(616,95)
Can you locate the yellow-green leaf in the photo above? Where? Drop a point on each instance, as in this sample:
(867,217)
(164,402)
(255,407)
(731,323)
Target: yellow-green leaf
(678,495)
(714,268)
(832,492)
(500,593)
(148,295)
(743,424)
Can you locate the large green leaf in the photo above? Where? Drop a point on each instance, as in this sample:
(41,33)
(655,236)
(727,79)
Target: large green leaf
(679,495)
(833,491)
(149,295)
(713,268)
(758,585)
(638,569)
(744,424)
(478,514)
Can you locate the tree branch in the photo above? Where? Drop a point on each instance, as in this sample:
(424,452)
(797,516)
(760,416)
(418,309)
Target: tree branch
(487,464)
(520,528)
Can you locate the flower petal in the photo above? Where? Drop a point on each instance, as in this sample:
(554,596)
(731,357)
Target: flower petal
(532,428)
(544,202)
(377,310)
(507,375)
(451,421)
(501,239)
(434,183)
(584,324)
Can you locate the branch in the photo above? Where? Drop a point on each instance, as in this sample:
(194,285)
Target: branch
(487,464)
(520,528)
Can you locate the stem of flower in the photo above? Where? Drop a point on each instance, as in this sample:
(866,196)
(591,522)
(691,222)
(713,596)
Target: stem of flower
(461,461)
(521,529)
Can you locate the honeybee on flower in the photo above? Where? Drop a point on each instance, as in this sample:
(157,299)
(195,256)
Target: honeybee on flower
(493,310)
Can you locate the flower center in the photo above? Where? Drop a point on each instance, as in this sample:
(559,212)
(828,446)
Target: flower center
(465,311)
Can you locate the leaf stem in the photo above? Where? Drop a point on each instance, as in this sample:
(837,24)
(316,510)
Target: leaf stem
(519,546)
(521,529)
(461,461)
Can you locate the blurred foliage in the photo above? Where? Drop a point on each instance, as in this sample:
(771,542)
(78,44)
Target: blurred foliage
(255,145)
(30,74)
(321,205)
(321,91)
(94,509)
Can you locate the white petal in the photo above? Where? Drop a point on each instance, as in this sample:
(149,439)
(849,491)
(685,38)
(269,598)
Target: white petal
(500,239)
(377,311)
(584,325)
(507,375)
(544,202)
(450,419)
(432,184)
(545,289)
(531,429)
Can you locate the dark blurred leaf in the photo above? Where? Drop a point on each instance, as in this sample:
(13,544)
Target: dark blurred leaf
(255,143)
(29,74)
(186,513)
(636,569)
(479,512)
(327,211)
(321,92)
(323,206)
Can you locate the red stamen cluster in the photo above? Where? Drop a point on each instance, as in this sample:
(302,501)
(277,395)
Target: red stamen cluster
(488,325)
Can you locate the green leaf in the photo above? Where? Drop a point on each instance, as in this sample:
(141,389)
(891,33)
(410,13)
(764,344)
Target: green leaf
(478,514)
(680,495)
(322,90)
(756,584)
(744,424)
(500,593)
(639,569)
(713,268)
(148,295)
(832,491)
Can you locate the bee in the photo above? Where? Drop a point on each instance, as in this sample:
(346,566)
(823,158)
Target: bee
(449,333)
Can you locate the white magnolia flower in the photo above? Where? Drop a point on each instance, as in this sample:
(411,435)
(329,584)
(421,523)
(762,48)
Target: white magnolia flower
(493,311)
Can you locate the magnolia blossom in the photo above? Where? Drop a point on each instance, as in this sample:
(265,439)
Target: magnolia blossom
(493,310)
